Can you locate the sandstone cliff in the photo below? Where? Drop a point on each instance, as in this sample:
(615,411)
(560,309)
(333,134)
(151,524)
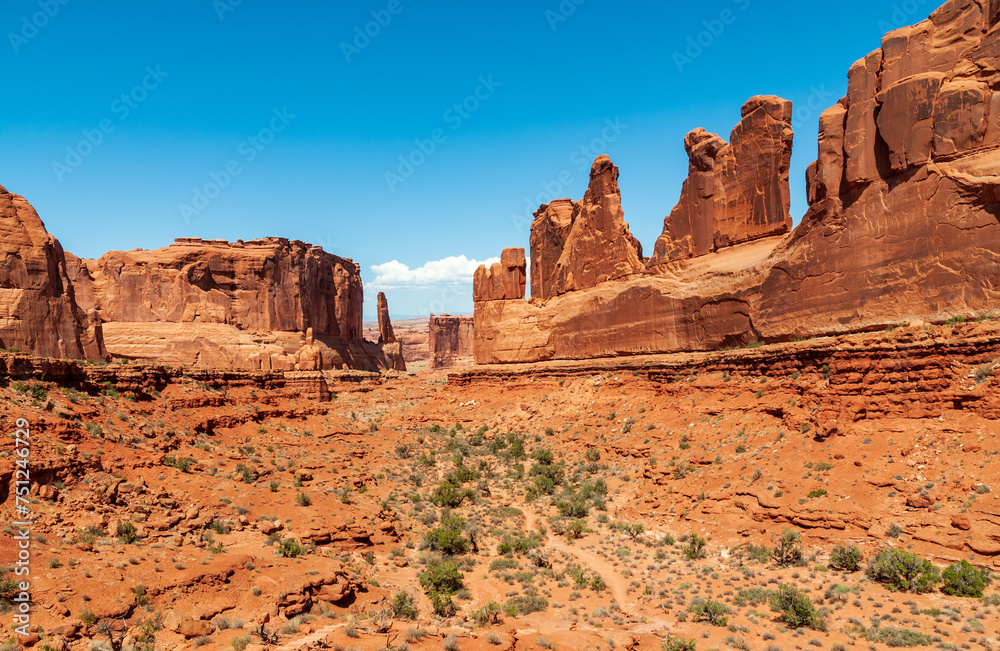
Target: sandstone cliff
(39,312)
(735,192)
(579,245)
(450,340)
(215,304)
(902,224)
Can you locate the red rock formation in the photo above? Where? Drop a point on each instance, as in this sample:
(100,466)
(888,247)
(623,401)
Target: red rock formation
(391,349)
(213,304)
(905,195)
(504,280)
(385,333)
(38,308)
(450,340)
(735,192)
(902,225)
(579,245)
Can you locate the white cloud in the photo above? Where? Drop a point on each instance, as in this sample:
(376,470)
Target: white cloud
(437,273)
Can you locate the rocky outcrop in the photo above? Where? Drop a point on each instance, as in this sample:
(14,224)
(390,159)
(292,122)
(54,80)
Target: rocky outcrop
(734,192)
(385,333)
(242,305)
(391,348)
(905,195)
(39,312)
(504,280)
(902,224)
(450,340)
(579,245)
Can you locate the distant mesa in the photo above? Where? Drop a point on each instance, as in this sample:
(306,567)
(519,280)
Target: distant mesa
(450,339)
(263,304)
(902,225)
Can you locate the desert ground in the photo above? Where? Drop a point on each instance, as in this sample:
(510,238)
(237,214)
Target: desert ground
(640,503)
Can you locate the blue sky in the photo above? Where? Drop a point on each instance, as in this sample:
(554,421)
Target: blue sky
(120,118)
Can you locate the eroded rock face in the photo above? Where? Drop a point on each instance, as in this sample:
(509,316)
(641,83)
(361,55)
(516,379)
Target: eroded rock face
(734,192)
(902,225)
(385,333)
(450,340)
(504,280)
(579,245)
(39,312)
(391,349)
(270,285)
(905,195)
(241,305)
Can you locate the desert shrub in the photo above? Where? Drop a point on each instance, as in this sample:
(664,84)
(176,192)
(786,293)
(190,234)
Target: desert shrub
(787,548)
(897,637)
(290,548)
(526,604)
(710,611)
(963,580)
(902,571)
(404,606)
(448,538)
(695,547)
(796,609)
(126,533)
(440,581)
(846,558)
(450,495)
(678,644)
(488,615)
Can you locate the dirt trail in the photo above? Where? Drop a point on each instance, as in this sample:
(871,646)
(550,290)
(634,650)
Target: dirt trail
(616,582)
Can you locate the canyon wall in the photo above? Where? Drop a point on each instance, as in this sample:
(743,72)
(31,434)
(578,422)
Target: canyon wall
(902,222)
(450,340)
(39,312)
(216,304)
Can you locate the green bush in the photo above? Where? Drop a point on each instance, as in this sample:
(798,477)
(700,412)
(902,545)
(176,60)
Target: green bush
(444,578)
(787,548)
(404,606)
(488,615)
(526,604)
(450,495)
(290,548)
(678,644)
(710,611)
(448,538)
(796,609)
(964,580)
(897,637)
(127,533)
(902,571)
(846,558)
(695,547)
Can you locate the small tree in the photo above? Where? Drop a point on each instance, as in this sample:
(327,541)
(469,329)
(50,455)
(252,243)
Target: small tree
(403,606)
(695,547)
(902,571)
(963,580)
(787,548)
(796,608)
(846,558)
(710,611)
